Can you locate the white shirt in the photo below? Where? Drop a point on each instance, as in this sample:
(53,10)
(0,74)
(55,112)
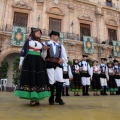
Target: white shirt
(35,44)
(117,68)
(103,67)
(109,70)
(63,51)
(94,69)
(85,66)
(67,68)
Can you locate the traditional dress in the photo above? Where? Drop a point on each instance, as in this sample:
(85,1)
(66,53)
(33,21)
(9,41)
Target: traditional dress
(67,74)
(111,83)
(54,69)
(103,78)
(34,83)
(95,78)
(85,76)
(117,78)
(76,77)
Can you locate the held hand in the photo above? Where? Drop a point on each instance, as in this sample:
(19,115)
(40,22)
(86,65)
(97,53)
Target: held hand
(45,47)
(20,67)
(90,78)
(71,79)
(60,61)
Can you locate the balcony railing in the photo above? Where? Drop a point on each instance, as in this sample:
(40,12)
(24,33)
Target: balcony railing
(67,36)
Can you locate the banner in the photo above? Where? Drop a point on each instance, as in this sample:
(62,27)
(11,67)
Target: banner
(88,44)
(18,36)
(116,48)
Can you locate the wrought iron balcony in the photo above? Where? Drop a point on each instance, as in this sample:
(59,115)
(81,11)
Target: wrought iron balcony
(67,36)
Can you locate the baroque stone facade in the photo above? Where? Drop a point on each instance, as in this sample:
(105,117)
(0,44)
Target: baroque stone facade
(71,13)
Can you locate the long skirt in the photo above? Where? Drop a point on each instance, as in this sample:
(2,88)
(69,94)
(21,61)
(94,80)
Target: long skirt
(112,84)
(95,82)
(77,82)
(33,84)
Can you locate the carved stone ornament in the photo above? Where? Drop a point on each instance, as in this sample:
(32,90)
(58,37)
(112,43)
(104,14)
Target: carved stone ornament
(56,2)
(40,1)
(21,4)
(85,17)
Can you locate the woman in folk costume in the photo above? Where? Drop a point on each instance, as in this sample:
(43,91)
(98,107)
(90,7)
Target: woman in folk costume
(67,76)
(33,80)
(117,76)
(76,76)
(103,76)
(95,81)
(111,80)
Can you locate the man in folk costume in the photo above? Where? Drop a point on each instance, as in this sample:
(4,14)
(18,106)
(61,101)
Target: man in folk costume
(117,75)
(67,75)
(56,56)
(85,75)
(103,76)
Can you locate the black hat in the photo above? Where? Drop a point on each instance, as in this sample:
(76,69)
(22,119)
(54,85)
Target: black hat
(104,59)
(35,29)
(84,55)
(115,61)
(54,33)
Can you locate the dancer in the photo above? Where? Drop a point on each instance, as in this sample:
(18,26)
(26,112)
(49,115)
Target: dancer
(33,80)
(76,76)
(85,75)
(95,81)
(56,56)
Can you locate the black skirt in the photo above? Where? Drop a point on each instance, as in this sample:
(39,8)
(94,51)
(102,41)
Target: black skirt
(84,74)
(34,84)
(102,76)
(95,82)
(111,82)
(76,80)
(116,76)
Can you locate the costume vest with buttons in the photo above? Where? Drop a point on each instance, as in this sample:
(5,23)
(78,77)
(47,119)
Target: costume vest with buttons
(117,69)
(84,72)
(117,72)
(51,54)
(103,70)
(53,58)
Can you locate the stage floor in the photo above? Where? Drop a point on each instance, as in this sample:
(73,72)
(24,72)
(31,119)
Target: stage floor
(76,108)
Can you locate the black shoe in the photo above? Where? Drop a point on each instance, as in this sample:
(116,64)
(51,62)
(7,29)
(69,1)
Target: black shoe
(51,102)
(84,94)
(63,94)
(87,94)
(60,102)
(37,103)
(101,93)
(67,95)
(105,94)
